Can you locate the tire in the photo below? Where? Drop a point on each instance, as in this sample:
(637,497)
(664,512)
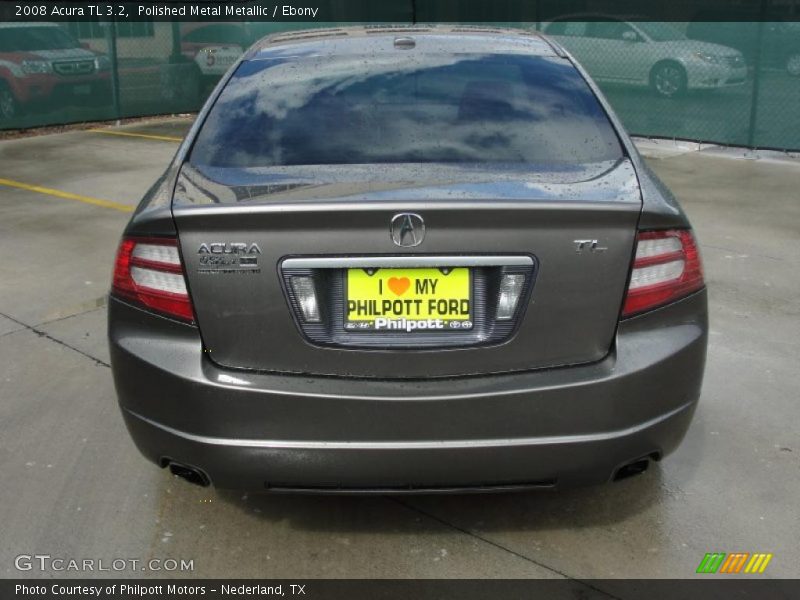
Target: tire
(9,108)
(668,79)
(793,64)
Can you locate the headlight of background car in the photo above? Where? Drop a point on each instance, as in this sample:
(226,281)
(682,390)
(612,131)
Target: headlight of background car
(102,63)
(36,66)
(709,58)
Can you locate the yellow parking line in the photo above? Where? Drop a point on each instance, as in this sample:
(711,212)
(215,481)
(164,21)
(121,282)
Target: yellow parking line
(162,138)
(66,195)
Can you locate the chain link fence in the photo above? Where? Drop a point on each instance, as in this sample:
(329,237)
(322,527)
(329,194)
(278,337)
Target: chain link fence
(725,82)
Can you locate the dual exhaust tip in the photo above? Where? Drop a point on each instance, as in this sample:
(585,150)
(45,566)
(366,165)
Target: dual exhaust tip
(190,474)
(633,468)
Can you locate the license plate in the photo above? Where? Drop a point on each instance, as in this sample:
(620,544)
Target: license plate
(408,300)
(82,90)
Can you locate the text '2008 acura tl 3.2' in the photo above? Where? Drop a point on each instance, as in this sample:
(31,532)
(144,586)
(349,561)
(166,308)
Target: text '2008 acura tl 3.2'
(386,260)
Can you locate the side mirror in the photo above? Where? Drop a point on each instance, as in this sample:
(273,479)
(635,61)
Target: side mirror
(630,36)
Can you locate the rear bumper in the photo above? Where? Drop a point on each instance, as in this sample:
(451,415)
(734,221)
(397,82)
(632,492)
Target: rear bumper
(716,76)
(556,427)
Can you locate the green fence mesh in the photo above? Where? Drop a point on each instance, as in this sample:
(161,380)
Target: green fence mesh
(725,82)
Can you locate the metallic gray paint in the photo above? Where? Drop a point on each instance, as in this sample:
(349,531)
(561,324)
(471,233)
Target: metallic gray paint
(575,304)
(574,424)
(632,396)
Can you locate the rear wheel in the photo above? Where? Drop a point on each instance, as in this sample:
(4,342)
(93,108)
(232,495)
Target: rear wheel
(668,79)
(793,65)
(9,109)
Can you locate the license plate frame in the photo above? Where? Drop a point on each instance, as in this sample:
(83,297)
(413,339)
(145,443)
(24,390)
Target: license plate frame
(453,309)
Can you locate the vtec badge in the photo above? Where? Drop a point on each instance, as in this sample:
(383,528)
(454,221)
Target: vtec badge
(228,257)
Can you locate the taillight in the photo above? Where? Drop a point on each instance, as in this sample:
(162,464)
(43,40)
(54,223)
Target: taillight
(666,267)
(149,272)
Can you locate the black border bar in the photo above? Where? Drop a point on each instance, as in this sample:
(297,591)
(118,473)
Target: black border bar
(398,11)
(712,587)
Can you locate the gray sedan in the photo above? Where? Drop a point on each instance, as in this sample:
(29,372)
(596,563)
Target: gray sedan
(407,259)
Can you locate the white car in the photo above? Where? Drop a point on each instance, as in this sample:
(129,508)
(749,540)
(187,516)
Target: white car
(214,47)
(214,61)
(647,53)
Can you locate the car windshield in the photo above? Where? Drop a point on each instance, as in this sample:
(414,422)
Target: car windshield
(384,108)
(661,32)
(22,39)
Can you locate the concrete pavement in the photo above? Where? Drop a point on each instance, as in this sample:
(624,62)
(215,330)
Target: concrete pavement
(75,486)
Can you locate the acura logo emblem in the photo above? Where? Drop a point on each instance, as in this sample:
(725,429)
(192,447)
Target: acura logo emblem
(407,230)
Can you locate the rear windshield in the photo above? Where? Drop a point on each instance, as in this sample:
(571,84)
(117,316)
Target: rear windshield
(405,109)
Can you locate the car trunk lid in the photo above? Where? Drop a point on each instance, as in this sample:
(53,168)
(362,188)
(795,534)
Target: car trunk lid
(570,230)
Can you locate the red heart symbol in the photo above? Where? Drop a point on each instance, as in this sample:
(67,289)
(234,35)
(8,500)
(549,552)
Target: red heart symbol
(399,285)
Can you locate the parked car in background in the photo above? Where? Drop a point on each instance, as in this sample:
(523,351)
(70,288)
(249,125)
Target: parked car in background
(214,47)
(42,64)
(780,40)
(647,53)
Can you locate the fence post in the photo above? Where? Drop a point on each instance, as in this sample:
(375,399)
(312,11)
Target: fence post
(111,39)
(751,132)
(176,41)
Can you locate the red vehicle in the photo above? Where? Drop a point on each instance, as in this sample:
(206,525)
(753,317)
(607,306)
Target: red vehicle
(42,64)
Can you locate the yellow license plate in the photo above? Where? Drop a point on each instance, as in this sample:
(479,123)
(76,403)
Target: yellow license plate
(408,299)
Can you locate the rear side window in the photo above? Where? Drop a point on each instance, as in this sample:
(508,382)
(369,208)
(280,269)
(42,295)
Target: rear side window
(405,109)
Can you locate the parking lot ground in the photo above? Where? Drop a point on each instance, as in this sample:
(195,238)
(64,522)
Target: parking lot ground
(74,486)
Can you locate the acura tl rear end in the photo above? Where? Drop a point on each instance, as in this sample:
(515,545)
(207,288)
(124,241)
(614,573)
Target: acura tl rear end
(423,260)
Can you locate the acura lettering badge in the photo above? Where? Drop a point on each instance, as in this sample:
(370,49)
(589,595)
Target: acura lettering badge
(407,230)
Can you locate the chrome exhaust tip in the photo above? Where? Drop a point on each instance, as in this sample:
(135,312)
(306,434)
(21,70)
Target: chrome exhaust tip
(191,474)
(637,467)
